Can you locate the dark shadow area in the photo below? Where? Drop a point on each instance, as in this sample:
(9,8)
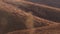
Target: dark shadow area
(12,21)
(54,3)
(45,13)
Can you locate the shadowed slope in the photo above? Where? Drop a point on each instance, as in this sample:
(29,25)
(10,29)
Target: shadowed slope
(40,10)
(13,18)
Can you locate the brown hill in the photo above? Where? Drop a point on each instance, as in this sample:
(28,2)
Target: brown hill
(15,18)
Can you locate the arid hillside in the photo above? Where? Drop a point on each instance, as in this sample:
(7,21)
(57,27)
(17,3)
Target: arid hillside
(27,17)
